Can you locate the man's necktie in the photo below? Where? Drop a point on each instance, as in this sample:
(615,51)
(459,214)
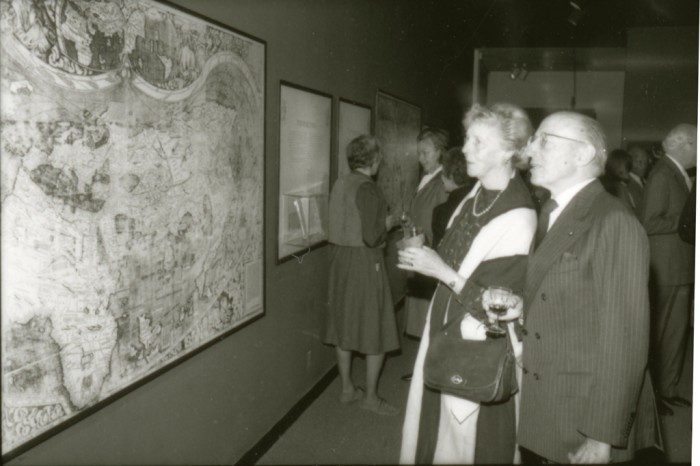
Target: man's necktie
(543,220)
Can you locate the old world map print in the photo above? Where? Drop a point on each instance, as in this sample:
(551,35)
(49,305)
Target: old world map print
(132,192)
(397,126)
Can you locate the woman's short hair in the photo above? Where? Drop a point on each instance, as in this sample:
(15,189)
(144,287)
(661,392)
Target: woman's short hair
(454,166)
(363,151)
(512,122)
(439,137)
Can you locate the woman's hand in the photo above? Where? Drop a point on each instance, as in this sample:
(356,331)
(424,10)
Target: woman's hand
(515,306)
(425,261)
(390,222)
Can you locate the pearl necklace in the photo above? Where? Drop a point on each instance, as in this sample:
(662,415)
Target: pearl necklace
(476,198)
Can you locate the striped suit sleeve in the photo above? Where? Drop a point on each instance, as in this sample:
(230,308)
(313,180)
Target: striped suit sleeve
(620,274)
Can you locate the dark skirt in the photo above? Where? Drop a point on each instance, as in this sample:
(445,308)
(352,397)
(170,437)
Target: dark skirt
(495,433)
(360,315)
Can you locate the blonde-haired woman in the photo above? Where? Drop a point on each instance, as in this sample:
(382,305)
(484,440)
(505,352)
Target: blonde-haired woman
(486,244)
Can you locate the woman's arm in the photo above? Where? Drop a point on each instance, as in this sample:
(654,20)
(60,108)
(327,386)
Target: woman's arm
(369,204)
(427,262)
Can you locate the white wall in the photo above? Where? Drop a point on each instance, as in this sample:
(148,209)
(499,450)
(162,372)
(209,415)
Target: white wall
(602,91)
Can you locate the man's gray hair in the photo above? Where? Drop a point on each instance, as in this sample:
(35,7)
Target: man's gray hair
(592,133)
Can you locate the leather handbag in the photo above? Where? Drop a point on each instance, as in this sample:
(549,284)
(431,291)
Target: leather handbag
(482,371)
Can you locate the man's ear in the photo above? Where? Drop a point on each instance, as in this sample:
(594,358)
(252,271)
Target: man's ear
(585,155)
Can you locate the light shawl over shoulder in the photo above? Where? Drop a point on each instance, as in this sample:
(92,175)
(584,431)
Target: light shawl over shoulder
(508,234)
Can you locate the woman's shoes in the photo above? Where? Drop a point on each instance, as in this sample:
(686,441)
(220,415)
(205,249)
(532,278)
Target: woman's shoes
(356,395)
(382,408)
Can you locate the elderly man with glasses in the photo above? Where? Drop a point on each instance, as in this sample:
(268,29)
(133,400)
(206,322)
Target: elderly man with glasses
(586,393)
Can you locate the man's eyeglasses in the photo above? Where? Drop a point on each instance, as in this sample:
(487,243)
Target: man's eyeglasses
(541,139)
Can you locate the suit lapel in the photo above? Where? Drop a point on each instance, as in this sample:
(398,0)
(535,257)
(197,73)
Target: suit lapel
(567,229)
(435,179)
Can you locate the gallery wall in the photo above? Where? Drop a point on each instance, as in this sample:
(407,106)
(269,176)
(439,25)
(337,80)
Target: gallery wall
(213,407)
(602,91)
(657,89)
(661,81)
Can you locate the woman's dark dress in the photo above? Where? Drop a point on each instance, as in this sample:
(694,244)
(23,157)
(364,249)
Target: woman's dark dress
(360,314)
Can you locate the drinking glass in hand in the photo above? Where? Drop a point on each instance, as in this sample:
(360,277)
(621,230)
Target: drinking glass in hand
(415,239)
(501,300)
(405,223)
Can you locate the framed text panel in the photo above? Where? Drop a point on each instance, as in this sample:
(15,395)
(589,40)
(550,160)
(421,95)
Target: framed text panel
(132,200)
(304,178)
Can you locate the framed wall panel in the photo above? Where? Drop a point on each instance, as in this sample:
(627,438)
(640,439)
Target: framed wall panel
(132,200)
(304,177)
(353,120)
(397,125)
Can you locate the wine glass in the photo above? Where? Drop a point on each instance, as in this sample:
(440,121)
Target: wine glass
(405,223)
(502,299)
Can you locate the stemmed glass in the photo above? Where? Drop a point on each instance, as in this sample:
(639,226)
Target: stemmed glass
(502,299)
(405,223)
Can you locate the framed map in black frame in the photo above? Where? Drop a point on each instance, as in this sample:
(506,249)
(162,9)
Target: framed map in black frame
(306,119)
(132,200)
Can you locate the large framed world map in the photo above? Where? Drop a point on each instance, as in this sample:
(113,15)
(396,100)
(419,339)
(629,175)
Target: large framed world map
(132,199)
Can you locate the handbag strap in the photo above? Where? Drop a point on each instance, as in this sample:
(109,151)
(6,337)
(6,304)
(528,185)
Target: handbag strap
(457,318)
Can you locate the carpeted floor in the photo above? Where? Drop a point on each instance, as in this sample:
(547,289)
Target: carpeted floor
(329,432)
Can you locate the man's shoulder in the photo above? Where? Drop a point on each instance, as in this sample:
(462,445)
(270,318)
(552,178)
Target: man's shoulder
(436,186)
(661,168)
(606,207)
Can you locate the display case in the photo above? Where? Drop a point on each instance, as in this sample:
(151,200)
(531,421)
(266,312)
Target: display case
(305,215)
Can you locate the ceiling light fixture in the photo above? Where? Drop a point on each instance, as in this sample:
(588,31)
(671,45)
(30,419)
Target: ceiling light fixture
(515,72)
(577,11)
(524,72)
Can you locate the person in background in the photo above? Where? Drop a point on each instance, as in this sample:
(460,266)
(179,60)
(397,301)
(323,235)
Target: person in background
(360,316)
(641,163)
(686,227)
(672,262)
(486,244)
(458,184)
(586,396)
(432,144)
(638,175)
(616,179)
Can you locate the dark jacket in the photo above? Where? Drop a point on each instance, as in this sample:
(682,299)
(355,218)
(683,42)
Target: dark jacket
(443,212)
(672,259)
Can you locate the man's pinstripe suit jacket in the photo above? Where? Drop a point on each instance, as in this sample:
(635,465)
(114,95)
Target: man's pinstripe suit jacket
(586,333)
